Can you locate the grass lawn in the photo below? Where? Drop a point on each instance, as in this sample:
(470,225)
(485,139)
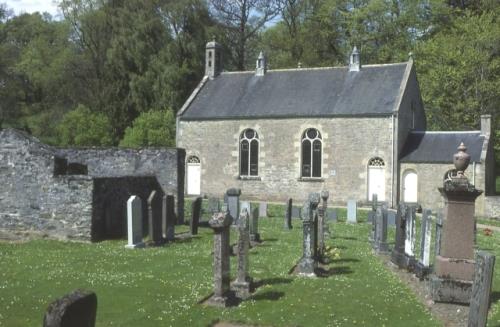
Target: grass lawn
(161,286)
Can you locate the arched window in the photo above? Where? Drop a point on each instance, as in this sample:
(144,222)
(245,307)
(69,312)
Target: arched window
(311,153)
(376,178)
(249,153)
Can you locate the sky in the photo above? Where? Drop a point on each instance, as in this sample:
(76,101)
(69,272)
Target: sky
(30,6)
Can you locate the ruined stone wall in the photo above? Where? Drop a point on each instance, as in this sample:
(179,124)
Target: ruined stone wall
(348,145)
(166,164)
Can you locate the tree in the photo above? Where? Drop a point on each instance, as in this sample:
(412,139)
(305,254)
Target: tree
(82,127)
(152,128)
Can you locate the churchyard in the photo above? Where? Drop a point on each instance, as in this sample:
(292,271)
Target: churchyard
(167,285)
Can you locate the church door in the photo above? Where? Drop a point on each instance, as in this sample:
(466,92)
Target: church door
(193,176)
(410,187)
(376,179)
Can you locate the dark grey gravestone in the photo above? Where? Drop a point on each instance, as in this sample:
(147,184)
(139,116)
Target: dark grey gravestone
(254,227)
(242,285)
(288,214)
(320,235)
(410,238)
(439,230)
(481,289)
(333,215)
(381,245)
(391,217)
(422,267)
(134,223)
(213,205)
(308,262)
(154,217)
(233,203)
(76,309)
(398,253)
(296,212)
(169,203)
(195,215)
(262,209)
(324,197)
(351,211)
(222,296)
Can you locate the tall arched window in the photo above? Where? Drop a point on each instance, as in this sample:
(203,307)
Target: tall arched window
(311,153)
(249,153)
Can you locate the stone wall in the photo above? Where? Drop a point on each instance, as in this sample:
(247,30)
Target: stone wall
(348,145)
(167,164)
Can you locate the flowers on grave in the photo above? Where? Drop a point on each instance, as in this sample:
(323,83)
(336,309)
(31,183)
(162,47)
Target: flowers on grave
(487,232)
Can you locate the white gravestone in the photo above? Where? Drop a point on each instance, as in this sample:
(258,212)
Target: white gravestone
(351,211)
(134,223)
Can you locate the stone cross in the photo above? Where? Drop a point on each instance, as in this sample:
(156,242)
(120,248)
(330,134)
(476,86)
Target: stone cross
(213,205)
(254,226)
(195,215)
(288,214)
(262,209)
(220,223)
(411,230)
(134,223)
(154,217)
(380,240)
(422,267)
(481,289)
(324,196)
(169,212)
(398,253)
(351,211)
(242,284)
(76,309)
(308,262)
(233,202)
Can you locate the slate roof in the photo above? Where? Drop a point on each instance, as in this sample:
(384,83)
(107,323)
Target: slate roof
(318,92)
(439,147)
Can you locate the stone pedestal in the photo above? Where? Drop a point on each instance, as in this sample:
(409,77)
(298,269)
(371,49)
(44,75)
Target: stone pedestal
(308,262)
(242,285)
(222,296)
(454,266)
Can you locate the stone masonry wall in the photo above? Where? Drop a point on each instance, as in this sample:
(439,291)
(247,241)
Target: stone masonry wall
(348,145)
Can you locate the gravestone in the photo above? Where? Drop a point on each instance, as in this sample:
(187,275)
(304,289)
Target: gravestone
(333,215)
(320,234)
(222,296)
(411,233)
(351,211)
(308,262)
(324,197)
(380,240)
(254,227)
(169,211)
(296,212)
(371,217)
(391,217)
(242,285)
(154,217)
(373,220)
(374,202)
(195,215)
(288,214)
(454,266)
(262,209)
(439,230)
(233,203)
(398,253)
(422,268)
(213,206)
(481,289)
(76,309)
(134,223)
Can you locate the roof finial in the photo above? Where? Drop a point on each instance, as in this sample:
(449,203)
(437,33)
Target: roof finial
(261,65)
(299,65)
(410,55)
(354,61)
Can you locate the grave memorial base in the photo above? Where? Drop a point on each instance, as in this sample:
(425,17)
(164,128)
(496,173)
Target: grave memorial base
(422,271)
(229,299)
(450,290)
(399,259)
(242,290)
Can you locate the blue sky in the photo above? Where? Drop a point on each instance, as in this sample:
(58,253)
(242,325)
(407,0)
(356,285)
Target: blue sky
(30,6)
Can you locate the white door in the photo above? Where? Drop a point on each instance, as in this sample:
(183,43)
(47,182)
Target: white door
(410,187)
(193,176)
(376,183)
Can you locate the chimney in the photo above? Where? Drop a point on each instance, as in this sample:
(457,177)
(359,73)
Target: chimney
(486,125)
(213,61)
(354,62)
(261,65)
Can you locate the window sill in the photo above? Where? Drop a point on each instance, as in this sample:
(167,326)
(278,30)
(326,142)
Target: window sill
(249,178)
(311,179)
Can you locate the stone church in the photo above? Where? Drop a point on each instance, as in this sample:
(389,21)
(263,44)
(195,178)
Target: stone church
(354,131)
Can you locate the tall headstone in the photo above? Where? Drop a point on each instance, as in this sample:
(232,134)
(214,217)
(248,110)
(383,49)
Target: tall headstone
(262,209)
(391,217)
(308,262)
(154,217)
(233,202)
(220,223)
(254,226)
(76,309)
(481,289)
(242,284)
(398,253)
(195,215)
(381,245)
(372,219)
(288,214)
(454,267)
(352,211)
(423,265)
(321,247)
(411,233)
(213,205)
(324,204)
(134,223)
(169,209)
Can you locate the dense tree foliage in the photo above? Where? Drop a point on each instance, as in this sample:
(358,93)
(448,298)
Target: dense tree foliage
(128,65)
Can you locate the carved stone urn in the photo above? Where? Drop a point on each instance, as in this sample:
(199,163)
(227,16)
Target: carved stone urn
(461,160)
